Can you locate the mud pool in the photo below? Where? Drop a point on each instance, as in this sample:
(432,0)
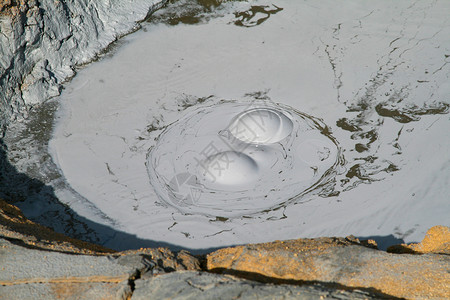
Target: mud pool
(355,99)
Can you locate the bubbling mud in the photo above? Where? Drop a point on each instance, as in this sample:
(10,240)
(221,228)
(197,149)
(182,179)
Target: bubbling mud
(261,126)
(238,158)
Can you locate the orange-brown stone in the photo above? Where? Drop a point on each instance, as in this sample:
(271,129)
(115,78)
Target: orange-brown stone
(437,240)
(13,8)
(341,261)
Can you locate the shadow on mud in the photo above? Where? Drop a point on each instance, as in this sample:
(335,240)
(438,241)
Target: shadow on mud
(383,242)
(33,196)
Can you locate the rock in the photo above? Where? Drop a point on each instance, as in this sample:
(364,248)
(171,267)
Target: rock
(201,285)
(41,274)
(342,261)
(43,41)
(162,260)
(67,291)
(37,263)
(26,273)
(437,240)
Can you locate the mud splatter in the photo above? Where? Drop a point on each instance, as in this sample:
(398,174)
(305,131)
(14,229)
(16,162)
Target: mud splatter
(256,15)
(188,12)
(411,113)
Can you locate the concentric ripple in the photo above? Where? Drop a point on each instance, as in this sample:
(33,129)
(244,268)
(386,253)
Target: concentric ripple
(232,159)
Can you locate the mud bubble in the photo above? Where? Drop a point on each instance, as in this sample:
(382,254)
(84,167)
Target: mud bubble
(235,158)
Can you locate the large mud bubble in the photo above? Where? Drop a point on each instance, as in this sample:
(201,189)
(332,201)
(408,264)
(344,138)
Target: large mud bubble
(231,158)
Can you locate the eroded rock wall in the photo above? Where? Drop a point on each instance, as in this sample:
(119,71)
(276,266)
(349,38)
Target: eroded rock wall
(42,41)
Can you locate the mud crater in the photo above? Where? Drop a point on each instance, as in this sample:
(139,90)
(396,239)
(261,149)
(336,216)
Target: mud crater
(238,158)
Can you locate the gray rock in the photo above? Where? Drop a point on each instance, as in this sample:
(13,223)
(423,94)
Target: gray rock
(200,285)
(41,43)
(37,274)
(67,291)
(42,274)
(20,264)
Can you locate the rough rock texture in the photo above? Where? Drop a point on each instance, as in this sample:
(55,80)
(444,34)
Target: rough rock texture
(39,274)
(338,260)
(36,263)
(141,274)
(42,41)
(201,285)
(437,240)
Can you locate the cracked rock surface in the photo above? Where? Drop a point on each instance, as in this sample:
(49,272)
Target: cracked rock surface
(32,266)
(201,285)
(33,274)
(42,274)
(343,261)
(149,273)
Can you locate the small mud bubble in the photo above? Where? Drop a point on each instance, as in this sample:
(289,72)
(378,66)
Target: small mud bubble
(261,126)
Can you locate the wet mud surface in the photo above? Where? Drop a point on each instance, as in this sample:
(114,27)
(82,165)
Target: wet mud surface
(230,159)
(373,81)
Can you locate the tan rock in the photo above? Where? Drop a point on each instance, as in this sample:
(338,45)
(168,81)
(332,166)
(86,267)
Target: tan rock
(13,8)
(344,262)
(167,261)
(437,240)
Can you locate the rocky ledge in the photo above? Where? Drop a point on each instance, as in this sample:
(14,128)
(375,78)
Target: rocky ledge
(37,263)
